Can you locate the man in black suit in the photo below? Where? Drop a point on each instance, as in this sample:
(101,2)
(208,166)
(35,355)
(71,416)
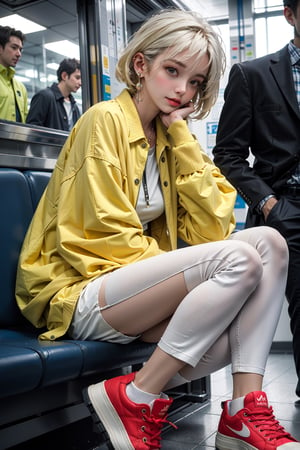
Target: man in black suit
(261,116)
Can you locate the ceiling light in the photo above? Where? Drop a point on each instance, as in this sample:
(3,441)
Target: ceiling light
(65,48)
(53,66)
(51,78)
(20,23)
(31,73)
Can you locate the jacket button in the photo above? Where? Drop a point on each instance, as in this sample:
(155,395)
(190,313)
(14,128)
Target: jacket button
(166,183)
(136,181)
(163,159)
(144,145)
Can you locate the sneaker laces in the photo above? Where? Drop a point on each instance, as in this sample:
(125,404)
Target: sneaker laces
(265,421)
(154,433)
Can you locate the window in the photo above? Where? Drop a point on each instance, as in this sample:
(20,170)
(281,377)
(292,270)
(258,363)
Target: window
(272,31)
(38,64)
(267,5)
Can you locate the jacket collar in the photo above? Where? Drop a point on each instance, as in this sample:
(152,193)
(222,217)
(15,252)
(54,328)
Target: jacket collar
(134,125)
(7,72)
(282,72)
(58,95)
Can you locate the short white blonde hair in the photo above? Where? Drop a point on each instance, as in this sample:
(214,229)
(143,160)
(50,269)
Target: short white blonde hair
(178,31)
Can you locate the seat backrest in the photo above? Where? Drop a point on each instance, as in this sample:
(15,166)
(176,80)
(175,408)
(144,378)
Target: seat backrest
(37,181)
(19,194)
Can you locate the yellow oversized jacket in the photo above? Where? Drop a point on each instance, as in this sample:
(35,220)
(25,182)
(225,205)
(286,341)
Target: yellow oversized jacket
(86,224)
(11,91)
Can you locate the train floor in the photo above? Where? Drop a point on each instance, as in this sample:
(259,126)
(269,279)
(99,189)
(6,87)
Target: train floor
(197,422)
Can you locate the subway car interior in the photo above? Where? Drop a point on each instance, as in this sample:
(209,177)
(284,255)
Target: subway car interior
(41,382)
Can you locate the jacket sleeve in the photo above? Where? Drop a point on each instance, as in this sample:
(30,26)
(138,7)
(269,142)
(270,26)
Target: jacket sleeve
(38,110)
(206,199)
(98,227)
(234,138)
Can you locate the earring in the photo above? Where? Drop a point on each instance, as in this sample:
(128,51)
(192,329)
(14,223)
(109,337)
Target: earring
(139,86)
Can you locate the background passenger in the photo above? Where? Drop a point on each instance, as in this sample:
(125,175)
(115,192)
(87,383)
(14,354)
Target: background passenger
(13,94)
(99,261)
(261,115)
(55,106)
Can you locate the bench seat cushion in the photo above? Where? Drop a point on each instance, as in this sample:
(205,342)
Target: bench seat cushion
(21,369)
(62,360)
(97,356)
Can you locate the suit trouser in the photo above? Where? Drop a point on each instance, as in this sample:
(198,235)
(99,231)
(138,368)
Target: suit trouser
(285,217)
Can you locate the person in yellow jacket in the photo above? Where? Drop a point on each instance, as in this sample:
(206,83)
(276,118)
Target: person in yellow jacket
(13,94)
(100,259)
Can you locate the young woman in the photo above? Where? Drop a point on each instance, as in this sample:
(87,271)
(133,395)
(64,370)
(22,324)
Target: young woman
(100,260)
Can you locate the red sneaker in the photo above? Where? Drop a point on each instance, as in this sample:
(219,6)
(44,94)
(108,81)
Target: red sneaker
(254,427)
(129,425)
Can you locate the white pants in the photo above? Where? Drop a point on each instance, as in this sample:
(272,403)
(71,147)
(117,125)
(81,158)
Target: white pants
(235,294)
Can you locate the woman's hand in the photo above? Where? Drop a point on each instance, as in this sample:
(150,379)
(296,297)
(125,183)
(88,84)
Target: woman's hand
(179,114)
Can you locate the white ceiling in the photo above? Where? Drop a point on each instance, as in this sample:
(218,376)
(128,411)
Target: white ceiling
(60,19)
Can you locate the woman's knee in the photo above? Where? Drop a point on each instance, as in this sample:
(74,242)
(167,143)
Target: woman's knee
(232,262)
(272,245)
(252,262)
(241,265)
(274,238)
(268,242)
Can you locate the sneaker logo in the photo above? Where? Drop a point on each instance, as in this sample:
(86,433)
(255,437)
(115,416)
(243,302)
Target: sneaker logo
(261,400)
(164,410)
(244,432)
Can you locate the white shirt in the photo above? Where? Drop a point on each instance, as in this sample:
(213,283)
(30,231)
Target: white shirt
(155,206)
(69,111)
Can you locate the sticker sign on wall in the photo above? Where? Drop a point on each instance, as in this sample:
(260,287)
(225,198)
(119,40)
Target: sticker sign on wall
(211,132)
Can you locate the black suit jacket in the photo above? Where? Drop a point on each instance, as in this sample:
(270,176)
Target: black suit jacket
(260,115)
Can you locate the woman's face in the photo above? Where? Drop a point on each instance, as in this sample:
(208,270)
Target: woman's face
(171,82)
